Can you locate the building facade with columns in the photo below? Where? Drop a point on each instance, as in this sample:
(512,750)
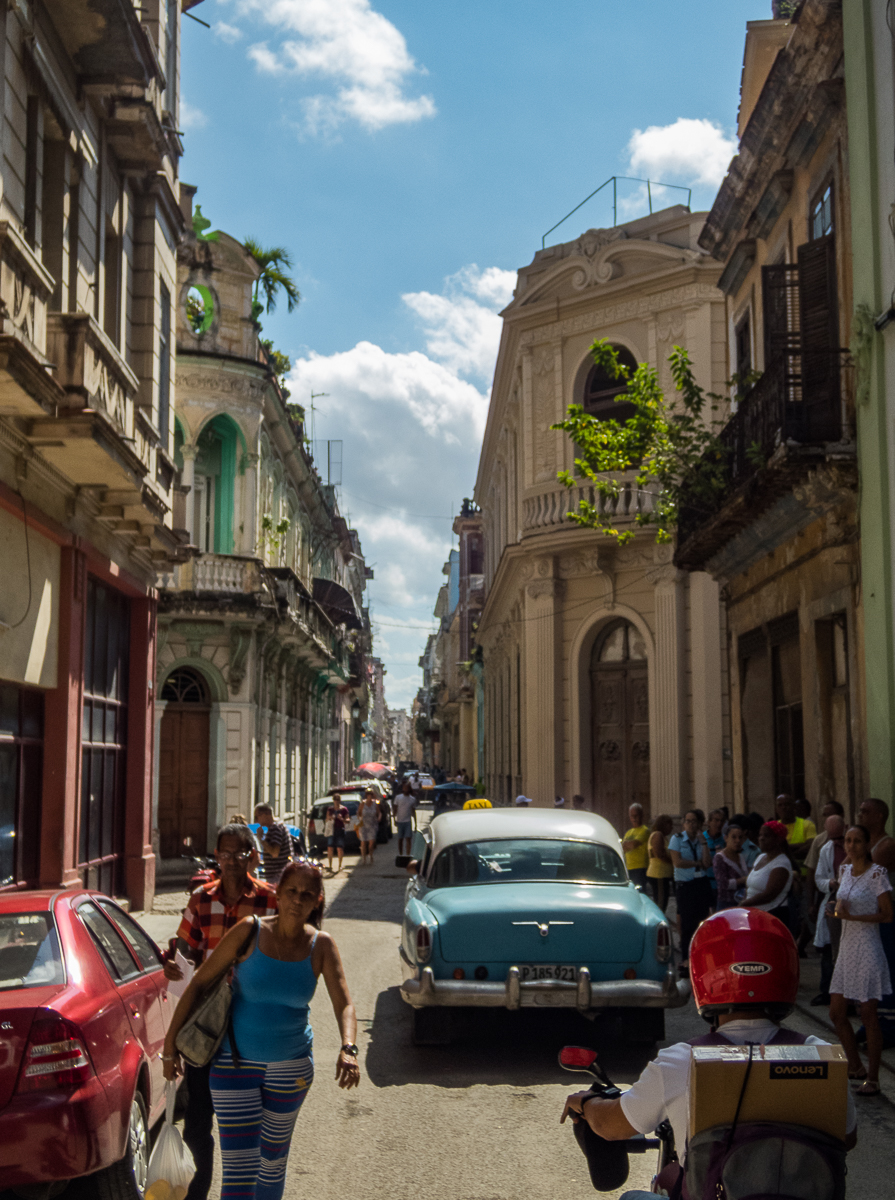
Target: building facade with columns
(89,224)
(604,665)
(261,681)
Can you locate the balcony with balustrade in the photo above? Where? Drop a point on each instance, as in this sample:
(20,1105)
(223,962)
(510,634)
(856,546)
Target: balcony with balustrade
(794,420)
(549,507)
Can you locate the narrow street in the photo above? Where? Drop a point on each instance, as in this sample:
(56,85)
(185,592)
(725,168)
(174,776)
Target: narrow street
(476,1120)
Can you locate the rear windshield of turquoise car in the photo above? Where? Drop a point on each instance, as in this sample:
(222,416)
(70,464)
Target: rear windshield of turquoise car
(512,860)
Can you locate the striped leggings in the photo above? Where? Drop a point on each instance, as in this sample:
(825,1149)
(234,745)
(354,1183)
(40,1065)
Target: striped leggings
(256,1105)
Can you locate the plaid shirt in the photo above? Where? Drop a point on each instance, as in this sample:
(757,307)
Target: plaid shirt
(207,918)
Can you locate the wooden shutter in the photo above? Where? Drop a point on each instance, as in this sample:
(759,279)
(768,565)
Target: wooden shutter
(819,329)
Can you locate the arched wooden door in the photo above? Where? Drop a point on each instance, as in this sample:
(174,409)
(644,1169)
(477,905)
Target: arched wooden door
(183,764)
(620,714)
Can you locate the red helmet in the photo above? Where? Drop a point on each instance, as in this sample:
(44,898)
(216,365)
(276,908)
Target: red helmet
(743,958)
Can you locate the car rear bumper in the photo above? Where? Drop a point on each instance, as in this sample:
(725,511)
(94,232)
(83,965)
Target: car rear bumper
(585,995)
(51,1136)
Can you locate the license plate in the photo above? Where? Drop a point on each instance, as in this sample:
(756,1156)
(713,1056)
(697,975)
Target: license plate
(554,971)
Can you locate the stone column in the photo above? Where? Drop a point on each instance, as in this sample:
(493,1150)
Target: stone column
(188,480)
(706,691)
(543,675)
(247,518)
(668,691)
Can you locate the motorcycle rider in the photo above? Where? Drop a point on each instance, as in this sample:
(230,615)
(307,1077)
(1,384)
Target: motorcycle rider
(743,1009)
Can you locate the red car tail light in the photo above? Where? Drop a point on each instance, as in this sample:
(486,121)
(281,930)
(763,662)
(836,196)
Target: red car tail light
(423,943)
(312,826)
(663,943)
(55,1056)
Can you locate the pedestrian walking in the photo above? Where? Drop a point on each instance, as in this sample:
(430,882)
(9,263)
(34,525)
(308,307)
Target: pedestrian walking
(634,846)
(405,807)
(334,824)
(261,1075)
(212,911)
(769,883)
(276,843)
(659,870)
(689,855)
(861,973)
(827,931)
(730,869)
(873,814)
(368,827)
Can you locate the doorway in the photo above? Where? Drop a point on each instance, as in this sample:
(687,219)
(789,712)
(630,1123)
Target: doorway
(620,719)
(183,764)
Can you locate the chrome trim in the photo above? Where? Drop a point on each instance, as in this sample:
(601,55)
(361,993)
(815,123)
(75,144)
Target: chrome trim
(543,927)
(585,995)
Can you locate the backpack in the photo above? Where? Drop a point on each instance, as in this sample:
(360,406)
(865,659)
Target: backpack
(762,1161)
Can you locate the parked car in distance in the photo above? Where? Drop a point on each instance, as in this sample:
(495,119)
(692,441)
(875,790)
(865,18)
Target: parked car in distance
(317,819)
(513,908)
(83,1017)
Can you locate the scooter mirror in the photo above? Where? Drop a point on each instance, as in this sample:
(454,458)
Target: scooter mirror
(577,1058)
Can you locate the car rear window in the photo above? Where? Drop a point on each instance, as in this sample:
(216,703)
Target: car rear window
(509,860)
(29,951)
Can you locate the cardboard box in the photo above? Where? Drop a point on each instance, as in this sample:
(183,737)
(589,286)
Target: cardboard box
(801,1085)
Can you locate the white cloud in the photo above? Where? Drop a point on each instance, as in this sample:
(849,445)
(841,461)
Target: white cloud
(461,333)
(351,46)
(227,33)
(692,150)
(411,429)
(191,118)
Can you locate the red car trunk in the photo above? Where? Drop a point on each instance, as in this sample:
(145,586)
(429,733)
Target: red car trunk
(17,1009)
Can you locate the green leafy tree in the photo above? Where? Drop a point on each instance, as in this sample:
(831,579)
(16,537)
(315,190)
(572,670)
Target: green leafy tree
(673,447)
(274,263)
(280,363)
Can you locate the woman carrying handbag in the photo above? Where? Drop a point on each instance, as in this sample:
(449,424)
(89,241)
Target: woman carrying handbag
(263,1069)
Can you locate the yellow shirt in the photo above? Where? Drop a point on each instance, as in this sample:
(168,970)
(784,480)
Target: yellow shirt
(801,830)
(658,868)
(636,860)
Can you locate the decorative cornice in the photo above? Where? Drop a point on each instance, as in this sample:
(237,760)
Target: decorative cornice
(641,307)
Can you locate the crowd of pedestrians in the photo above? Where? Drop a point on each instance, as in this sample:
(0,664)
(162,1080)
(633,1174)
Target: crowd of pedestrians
(832,888)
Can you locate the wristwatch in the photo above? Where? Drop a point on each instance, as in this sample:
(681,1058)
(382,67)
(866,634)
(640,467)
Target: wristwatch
(350,1048)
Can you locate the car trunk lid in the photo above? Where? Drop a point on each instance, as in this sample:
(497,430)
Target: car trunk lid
(17,1010)
(552,923)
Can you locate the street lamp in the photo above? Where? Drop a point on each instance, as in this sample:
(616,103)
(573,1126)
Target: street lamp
(355,710)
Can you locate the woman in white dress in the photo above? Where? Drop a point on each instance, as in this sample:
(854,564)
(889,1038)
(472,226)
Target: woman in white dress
(863,903)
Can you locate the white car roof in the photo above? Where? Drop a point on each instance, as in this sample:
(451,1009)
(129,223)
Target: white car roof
(485,824)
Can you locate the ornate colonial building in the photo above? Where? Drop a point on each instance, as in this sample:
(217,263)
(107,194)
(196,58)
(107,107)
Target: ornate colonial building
(604,666)
(784,538)
(89,224)
(261,676)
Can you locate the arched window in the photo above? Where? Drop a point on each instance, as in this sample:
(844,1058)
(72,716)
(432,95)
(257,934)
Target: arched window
(601,389)
(621,642)
(214,481)
(185,686)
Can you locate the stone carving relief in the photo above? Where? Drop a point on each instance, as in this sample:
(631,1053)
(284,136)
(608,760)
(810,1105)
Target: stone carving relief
(610,751)
(640,751)
(240,640)
(542,386)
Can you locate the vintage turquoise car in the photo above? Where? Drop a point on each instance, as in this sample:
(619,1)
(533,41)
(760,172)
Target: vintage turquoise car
(513,908)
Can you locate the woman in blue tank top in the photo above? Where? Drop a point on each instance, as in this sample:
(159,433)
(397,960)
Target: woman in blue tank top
(264,1067)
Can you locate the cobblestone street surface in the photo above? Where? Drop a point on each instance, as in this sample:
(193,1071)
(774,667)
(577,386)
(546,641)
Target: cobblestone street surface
(479,1119)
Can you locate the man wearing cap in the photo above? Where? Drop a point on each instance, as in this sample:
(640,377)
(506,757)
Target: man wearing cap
(523,801)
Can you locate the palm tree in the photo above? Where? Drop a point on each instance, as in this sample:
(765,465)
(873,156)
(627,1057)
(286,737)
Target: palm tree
(273,263)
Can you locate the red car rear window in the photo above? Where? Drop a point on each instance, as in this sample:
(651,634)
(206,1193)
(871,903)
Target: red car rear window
(29,951)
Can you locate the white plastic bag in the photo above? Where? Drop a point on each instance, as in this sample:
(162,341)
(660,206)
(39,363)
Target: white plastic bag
(171,1166)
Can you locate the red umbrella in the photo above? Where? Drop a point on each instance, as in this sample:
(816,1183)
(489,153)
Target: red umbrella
(374,770)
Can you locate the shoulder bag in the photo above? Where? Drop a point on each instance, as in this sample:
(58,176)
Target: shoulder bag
(204,1029)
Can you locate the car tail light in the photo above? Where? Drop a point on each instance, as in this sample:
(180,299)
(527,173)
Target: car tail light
(312,826)
(423,943)
(663,943)
(55,1056)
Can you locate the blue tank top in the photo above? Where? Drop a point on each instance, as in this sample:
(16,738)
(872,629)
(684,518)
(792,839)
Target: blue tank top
(270,1006)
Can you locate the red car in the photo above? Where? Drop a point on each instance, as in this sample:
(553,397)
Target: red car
(83,1016)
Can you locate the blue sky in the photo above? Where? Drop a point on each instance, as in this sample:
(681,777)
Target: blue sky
(411,155)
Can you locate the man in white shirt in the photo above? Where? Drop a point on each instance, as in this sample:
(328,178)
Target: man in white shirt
(405,806)
(748,1011)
